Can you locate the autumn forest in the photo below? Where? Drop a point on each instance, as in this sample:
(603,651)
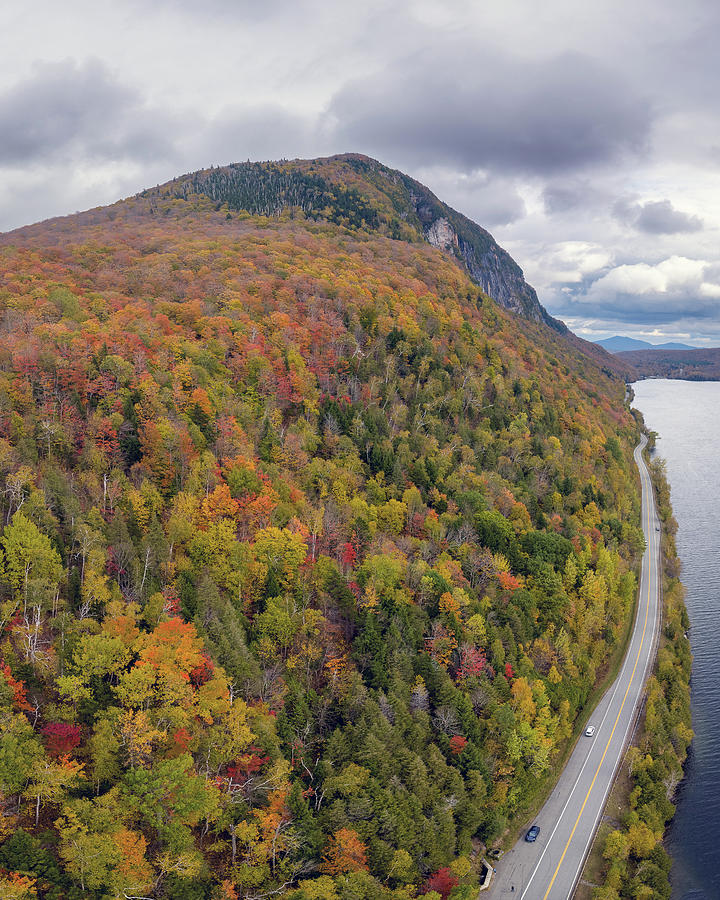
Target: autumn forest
(311,554)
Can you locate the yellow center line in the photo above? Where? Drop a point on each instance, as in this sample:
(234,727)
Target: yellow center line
(607,746)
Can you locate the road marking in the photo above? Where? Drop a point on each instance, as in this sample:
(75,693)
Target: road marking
(648,661)
(618,681)
(622,705)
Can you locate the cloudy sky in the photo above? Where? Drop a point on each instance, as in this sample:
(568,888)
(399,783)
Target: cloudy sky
(586,137)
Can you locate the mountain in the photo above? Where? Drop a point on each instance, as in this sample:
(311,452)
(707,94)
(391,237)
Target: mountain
(690,364)
(354,190)
(618,344)
(673,345)
(312,553)
(360,194)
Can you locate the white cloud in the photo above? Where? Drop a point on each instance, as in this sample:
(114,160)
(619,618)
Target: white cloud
(637,279)
(671,274)
(572,261)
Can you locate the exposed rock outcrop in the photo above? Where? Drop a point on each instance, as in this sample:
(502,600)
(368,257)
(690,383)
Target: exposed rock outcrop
(441,235)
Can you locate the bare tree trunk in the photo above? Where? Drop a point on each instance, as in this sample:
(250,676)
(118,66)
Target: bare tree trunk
(147,563)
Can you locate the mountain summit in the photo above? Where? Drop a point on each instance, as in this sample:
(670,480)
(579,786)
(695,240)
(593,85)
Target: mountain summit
(359,192)
(302,535)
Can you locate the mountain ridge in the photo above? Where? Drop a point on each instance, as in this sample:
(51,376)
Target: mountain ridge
(399,206)
(351,191)
(620,344)
(695,364)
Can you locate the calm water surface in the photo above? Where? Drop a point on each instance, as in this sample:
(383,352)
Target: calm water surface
(686,416)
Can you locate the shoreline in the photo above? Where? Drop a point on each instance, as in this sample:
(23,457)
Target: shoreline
(629,844)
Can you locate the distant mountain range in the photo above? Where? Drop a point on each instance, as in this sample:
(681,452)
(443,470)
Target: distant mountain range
(618,344)
(669,360)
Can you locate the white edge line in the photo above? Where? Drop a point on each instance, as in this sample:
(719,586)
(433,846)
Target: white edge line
(636,710)
(632,719)
(628,657)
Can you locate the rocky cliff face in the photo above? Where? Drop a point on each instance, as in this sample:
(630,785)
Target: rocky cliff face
(494,270)
(488,264)
(505,284)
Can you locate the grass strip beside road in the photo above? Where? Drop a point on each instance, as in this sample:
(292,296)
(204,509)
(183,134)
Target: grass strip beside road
(620,806)
(547,783)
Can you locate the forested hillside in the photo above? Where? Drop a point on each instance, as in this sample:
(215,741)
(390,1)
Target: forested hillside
(690,365)
(359,192)
(311,555)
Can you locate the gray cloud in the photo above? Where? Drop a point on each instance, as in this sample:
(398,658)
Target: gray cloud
(481,109)
(247,10)
(65,109)
(560,199)
(564,196)
(644,311)
(661,217)
(496,205)
(625,313)
(656,217)
(489,200)
(269,131)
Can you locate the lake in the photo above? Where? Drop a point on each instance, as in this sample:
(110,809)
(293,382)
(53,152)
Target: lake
(686,416)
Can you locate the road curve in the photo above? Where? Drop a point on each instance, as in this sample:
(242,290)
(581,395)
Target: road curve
(549,869)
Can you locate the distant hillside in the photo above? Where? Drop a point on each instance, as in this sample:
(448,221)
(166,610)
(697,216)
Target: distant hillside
(620,344)
(691,365)
(355,191)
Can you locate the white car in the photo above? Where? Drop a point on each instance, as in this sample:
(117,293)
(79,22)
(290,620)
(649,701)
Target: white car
(590,731)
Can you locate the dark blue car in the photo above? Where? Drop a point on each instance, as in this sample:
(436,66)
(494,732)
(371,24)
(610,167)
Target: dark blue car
(532,834)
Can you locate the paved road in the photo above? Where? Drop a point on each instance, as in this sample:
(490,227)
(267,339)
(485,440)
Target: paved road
(549,868)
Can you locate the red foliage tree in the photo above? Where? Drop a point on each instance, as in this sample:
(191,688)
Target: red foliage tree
(106,438)
(508,582)
(181,740)
(202,673)
(472,663)
(18,688)
(348,555)
(60,738)
(417,525)
(246,766)
(442,881)
(172,600)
